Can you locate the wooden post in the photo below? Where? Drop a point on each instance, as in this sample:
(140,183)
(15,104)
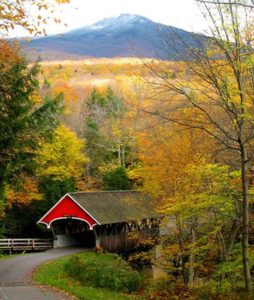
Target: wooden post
(97,240)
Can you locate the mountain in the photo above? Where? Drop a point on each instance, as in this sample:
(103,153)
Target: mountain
(122,36)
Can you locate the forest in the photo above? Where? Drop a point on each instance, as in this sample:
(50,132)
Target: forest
(181,131)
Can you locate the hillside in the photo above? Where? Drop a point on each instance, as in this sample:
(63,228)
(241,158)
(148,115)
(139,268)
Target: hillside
(77,78)
(123,36)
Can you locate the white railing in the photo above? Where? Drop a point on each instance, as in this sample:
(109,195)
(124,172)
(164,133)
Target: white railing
(26,244)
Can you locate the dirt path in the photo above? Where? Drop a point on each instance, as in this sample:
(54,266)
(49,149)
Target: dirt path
(16,276)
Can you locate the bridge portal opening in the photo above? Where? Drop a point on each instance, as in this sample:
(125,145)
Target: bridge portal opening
(71,232)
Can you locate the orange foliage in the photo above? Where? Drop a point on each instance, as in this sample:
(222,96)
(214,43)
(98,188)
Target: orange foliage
(26,191)
(8,53)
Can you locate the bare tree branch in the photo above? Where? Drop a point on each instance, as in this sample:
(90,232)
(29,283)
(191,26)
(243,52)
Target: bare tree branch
(247,4)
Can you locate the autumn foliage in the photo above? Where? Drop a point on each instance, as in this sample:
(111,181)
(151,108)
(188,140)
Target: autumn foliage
(180,131)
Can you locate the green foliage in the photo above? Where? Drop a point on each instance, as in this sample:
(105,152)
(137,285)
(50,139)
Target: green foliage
(53,274)
(206,187)
(104,271)
(92,126)
(96,98)
(46,83)
(222,289)
(53,190)
(227,277)
(20,220)
(94,119)
(2,231)
(25,118)
(204,207)
(116,107)
(23,121)
(104,132)
(116,179)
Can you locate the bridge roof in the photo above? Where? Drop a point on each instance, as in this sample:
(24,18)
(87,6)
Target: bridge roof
(116,206)
(100,208)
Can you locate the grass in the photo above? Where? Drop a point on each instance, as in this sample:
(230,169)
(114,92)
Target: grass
(52,273)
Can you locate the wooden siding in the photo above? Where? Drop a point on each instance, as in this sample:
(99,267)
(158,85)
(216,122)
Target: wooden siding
(125,240)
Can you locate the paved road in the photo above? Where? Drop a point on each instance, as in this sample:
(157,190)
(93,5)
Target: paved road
(16,276)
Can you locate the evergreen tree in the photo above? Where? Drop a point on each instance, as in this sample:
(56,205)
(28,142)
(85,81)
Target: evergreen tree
(116,179)
(25,119)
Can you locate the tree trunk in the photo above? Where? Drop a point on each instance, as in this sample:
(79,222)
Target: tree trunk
(123,156)
(119,154)
(233,235)
(191,272)
(245,220)
(182,255)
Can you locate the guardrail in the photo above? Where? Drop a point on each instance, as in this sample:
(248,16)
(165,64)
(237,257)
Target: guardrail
(26,244)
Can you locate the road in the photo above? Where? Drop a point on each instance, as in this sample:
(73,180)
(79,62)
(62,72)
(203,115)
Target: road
(16,276)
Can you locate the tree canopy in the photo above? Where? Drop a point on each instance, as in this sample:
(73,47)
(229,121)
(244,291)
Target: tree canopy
(25,118)
(63,157)
(29,14)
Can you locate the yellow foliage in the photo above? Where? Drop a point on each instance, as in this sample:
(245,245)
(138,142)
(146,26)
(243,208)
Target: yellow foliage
(70,94)
(63,158)
(165,154)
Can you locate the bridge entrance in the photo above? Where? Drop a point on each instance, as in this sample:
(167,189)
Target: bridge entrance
(71,232)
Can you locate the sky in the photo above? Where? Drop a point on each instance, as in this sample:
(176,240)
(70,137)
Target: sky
(179,13)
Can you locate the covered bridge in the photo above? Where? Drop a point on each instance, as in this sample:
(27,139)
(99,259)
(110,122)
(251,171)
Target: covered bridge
(113,220)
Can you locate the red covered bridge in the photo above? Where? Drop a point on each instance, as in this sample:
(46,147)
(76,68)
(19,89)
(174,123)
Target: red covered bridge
(104,219)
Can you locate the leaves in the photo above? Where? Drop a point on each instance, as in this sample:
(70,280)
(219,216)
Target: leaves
(24,191)
(25,118)
(29,14)
(62,158)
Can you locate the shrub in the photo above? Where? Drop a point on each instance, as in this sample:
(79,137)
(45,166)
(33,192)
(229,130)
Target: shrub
(103,270)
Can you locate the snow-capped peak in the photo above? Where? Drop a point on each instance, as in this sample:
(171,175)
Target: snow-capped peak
(122,20)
